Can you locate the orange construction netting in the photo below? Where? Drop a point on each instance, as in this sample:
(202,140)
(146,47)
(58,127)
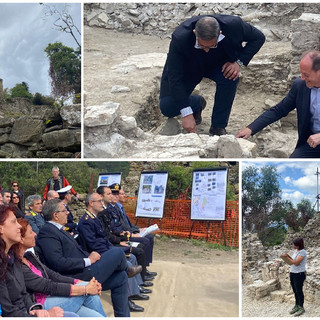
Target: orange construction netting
(176,222)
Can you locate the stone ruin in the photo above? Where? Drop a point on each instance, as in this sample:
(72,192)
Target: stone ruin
(124,109)
(31,131)
(264,273)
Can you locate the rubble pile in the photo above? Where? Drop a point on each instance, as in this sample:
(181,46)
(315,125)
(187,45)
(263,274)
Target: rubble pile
(265,274)
(126,98)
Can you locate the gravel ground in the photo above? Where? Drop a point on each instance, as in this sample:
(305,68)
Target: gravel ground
(269,308)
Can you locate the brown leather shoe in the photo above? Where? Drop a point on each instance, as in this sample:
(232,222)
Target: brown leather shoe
(197,116)
(134,270)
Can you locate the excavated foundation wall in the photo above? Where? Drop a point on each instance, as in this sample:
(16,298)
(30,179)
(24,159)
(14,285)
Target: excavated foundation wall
(290,29)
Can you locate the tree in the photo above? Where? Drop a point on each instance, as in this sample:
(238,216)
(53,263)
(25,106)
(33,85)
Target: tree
(21,90)
(64,70)
(297,218)
(64,21)
(261,195)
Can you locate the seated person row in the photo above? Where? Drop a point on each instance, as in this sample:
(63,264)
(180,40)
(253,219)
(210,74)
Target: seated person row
(119,224)
(90,228)
(122,238)
(61,253)
(14,298)
(51,288)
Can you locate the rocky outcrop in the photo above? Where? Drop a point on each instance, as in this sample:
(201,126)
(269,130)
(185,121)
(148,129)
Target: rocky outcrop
(30,131)
(266,274)
(122,137)
(162,18)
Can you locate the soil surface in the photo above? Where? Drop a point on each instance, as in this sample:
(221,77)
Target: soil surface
(266,307)
(192,281)
(106,48)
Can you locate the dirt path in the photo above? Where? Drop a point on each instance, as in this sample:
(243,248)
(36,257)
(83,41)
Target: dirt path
(192,281)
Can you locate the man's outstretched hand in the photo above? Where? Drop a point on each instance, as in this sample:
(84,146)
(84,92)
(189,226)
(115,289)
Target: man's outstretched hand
(314,140)
(244,133)
(189,124)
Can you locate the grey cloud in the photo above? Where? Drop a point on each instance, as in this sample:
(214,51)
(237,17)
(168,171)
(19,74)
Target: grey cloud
(24,34)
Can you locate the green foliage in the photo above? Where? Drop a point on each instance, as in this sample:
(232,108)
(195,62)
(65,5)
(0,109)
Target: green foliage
(112,166)
(39,99)
(21,90)
(180,178)
(65,69)
(32,176)
(261,194)
(273,236)
(297,218)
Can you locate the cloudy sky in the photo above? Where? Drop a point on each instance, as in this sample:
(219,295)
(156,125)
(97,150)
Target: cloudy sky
(298,178)
(25,32)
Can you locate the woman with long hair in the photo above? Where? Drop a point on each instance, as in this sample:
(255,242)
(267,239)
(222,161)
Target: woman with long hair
(298,275)
(51,288)
(14,298)
(15,200)
(16,189)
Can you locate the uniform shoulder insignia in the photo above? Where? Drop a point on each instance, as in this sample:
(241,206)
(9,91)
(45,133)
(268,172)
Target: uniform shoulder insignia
(89,215)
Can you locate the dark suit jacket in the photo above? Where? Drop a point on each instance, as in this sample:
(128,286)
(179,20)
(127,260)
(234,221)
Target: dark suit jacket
(186,65)
(62,253)
(297,98)
(92,230)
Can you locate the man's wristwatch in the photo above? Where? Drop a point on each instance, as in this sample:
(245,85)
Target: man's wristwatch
(239,62)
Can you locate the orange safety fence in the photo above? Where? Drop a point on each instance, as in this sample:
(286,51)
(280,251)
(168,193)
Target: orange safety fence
(176,222)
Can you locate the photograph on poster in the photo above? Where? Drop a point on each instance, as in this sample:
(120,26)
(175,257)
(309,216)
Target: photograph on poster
(152,193)
(208,200)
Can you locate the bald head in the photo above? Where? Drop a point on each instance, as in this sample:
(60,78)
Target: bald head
(314,57)
(310,68)
(52,195)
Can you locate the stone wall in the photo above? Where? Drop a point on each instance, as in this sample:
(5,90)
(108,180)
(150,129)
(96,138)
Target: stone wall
(29,131)
(305,36)
(161,19)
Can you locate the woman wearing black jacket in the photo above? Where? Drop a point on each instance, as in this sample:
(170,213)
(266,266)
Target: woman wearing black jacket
(51,288)
(14,298)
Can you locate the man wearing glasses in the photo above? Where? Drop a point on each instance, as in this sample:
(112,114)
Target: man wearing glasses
(206,47)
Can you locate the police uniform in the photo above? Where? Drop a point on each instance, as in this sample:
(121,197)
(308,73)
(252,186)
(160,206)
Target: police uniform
(107,221)
(91,229)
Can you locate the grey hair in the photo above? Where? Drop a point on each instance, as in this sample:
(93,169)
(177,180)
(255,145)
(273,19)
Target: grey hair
(207,28)
(89,198)
(55,168)
(314,55)
(31,199)
(49,208)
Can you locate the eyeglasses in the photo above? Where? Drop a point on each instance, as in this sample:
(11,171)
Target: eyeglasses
(97,200)
(197,46)
(15,185)
(64,210)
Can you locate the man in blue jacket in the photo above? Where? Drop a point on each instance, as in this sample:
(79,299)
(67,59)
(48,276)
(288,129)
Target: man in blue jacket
(61,253)
(304,96)
(206,47)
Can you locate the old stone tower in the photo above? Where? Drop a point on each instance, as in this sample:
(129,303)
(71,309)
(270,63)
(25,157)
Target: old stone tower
(1,89)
